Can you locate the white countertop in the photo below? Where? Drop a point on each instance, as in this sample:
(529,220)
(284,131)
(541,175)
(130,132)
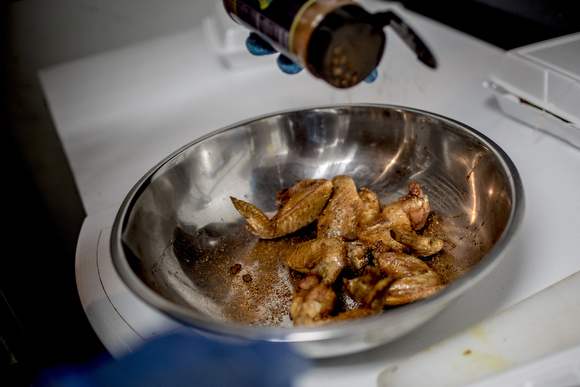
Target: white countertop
(121,112)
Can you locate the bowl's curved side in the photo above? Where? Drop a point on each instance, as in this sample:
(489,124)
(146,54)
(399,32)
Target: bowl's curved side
(184,202)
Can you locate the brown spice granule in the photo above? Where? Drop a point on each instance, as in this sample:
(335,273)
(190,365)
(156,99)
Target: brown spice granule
(235,269)
(247,277)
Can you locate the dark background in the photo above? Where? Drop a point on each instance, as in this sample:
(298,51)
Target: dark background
(42,323)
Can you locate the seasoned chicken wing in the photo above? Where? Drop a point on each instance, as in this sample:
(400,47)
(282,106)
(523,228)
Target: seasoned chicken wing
(378,238)
(347,210)
(324,257)
(404,216)
(313,302)
(357,254)
(422,246)
(414,279)
(301,206)
(354,232)
(371,207)
(370,289)
(410,212)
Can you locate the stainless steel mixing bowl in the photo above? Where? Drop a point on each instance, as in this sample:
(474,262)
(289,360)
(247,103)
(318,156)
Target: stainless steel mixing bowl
(173,241)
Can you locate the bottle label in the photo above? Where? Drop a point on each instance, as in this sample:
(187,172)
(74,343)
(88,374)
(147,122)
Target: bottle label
(272,19)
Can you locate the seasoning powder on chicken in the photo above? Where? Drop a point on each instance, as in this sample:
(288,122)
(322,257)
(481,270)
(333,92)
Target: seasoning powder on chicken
(371,254)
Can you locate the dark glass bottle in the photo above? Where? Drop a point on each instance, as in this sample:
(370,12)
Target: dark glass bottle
(336,40)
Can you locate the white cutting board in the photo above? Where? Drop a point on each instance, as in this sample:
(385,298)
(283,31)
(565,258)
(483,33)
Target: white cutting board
(538,326)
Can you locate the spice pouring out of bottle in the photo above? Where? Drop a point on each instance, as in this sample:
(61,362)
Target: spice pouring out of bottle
(336,40)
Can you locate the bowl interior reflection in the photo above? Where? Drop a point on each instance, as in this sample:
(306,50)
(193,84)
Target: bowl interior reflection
(177,238)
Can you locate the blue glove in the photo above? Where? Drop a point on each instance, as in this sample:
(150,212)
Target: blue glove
(185,360)
(258,46)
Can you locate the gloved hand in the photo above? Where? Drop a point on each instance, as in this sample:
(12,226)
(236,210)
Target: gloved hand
(185,360)
(258,46)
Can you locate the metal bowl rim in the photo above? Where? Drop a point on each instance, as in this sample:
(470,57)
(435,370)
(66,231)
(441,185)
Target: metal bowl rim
(444,297)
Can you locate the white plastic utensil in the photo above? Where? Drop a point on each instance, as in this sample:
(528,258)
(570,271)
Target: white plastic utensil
(561,369)
(532,330)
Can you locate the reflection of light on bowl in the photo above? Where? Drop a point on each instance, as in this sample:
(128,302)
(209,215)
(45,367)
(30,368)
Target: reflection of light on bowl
(184,200)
